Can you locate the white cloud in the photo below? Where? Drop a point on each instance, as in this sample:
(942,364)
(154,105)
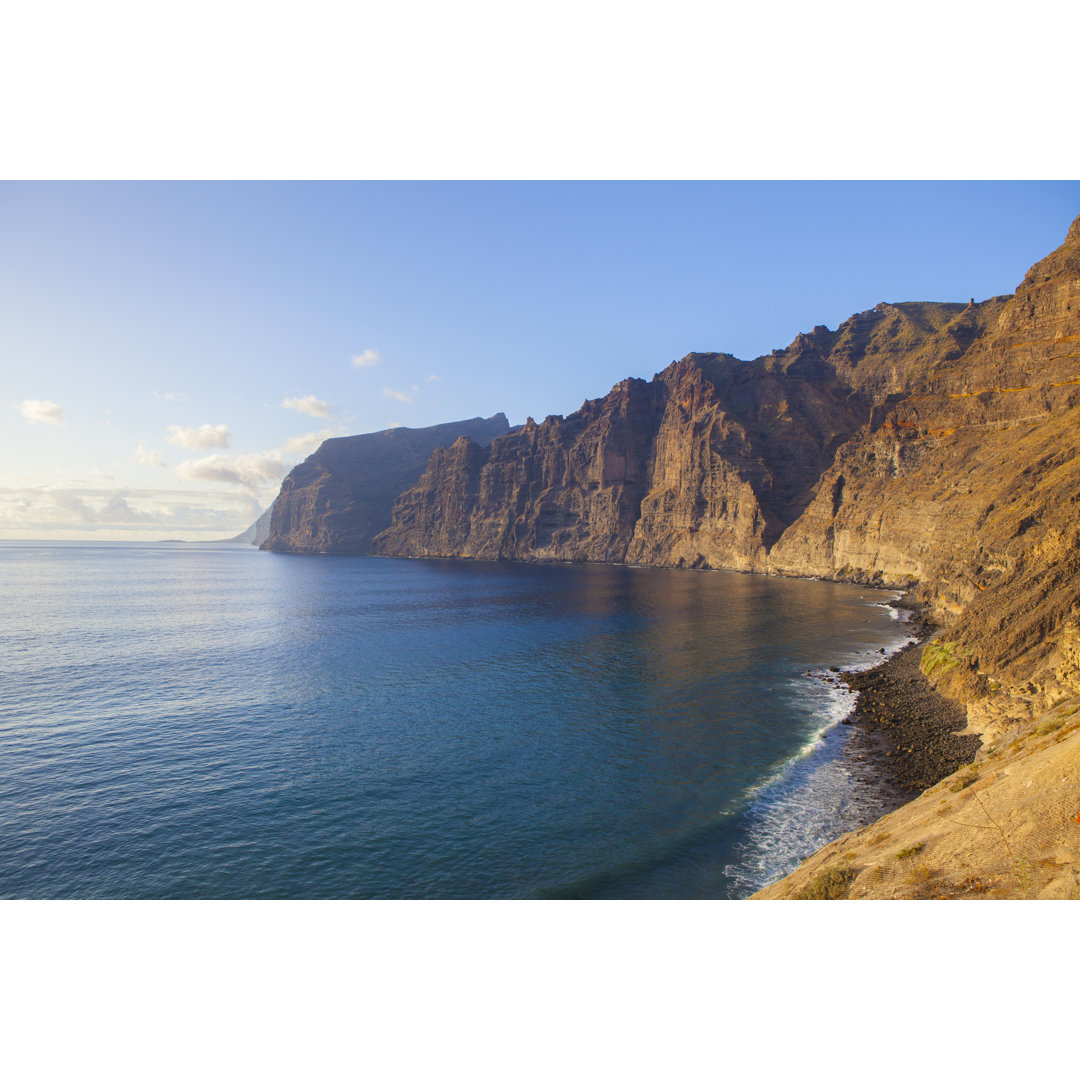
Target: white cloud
(42,412)
(200,438)
(305,444)
(397,395)
(170,395)
(310,405)
(117,510)
(249,470)
(123,513)
(432,378)
(142,456)
(67,507)
(368,358)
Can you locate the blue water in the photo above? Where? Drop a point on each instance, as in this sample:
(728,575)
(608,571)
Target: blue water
(203,721)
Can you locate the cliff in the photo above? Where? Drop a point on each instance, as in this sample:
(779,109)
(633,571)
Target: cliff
(337,499)
(900,447)
(970,486)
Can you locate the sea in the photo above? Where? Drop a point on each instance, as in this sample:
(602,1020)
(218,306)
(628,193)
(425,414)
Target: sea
(207,721)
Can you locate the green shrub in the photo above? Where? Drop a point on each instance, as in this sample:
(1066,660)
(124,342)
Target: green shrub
(964,779)
(939,657)
(832,883)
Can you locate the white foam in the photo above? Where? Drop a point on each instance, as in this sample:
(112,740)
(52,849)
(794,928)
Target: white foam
(813,796)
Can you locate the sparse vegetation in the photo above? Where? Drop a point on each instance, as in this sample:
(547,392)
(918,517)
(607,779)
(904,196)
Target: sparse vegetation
(940,656)
(832,883)
(1021,866)
(908,852)
(964,778)
(1044,727)
(919,873)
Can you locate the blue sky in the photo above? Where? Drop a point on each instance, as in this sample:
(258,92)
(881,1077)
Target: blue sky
(181,345)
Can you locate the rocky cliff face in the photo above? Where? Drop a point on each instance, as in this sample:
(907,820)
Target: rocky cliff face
(970,486)
(704,466)
(341,496)
(917,442)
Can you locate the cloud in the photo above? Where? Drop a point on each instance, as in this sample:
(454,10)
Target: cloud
(124,513)
(170,395)
(397,395)
(249,470)
(305,444)
(42,412)
(432,378)
(117,510)
(72,506)
(310,405)
(200,438)
(142,456)
(368,358)
(68,507)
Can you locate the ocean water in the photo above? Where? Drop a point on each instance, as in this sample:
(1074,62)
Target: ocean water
(205,721)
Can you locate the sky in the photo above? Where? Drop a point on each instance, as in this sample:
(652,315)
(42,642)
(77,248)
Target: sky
(169,350)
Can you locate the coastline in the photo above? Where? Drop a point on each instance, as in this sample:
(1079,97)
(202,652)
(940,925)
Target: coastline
(975,817)
(917,731)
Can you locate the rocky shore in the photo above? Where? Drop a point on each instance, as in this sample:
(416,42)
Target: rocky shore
(917,727)
(990,812)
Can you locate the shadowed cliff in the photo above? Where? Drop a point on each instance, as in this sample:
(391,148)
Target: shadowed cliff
(337,499)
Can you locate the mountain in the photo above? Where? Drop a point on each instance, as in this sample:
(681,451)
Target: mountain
(337,499)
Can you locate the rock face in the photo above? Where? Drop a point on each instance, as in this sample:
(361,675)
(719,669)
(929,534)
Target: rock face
(341,496)
(918,442)
(707,465)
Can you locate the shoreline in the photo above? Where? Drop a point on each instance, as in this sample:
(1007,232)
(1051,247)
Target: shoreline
(976,816)
(902,736)
(916,729)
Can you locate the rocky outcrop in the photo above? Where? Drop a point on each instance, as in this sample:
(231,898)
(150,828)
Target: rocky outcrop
(341,496)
